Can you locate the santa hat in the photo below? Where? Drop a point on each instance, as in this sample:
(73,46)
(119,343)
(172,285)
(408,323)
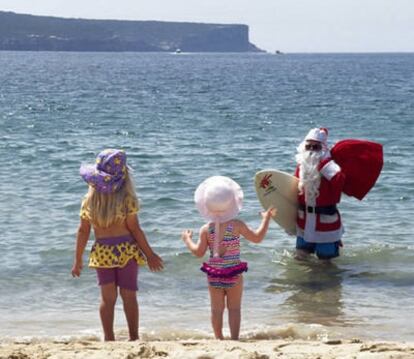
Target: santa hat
(318,134)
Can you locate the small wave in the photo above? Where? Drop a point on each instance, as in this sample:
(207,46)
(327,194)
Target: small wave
(174,334)
(378,254)
(168,200)
(51,339)
(165,334)
(291,331)
(288,331)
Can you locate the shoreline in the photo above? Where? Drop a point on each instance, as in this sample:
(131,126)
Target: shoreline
(208,349)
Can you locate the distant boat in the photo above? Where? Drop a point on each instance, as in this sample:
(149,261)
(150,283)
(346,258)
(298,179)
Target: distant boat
(277,52)
(178,51)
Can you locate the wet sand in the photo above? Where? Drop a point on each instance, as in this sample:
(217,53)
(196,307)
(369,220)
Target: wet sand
(208,349)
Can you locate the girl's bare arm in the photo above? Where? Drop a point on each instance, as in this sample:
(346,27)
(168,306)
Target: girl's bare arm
(256,236)
(82,238)
(199,248)
(155,263)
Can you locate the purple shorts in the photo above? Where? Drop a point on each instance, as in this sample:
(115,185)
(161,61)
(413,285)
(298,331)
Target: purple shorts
(125,277)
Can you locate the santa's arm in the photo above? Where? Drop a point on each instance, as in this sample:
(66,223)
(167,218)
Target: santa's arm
(333,173)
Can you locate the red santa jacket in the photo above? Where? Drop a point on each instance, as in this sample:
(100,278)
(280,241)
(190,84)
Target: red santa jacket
(320,222)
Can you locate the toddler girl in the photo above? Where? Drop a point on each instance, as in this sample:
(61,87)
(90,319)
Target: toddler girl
(219,200)
(111,208)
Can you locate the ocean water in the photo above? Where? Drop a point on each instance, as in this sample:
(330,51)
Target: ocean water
(182,118)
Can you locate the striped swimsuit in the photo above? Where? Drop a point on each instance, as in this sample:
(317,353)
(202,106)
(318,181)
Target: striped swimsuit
(224,271)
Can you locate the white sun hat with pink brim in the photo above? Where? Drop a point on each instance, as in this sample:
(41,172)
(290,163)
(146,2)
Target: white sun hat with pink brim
(218,199)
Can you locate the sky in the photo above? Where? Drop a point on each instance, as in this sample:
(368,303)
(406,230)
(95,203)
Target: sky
(284,25)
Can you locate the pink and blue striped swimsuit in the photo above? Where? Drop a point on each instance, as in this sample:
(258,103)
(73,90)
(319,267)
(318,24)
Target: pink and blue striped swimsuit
(224,271)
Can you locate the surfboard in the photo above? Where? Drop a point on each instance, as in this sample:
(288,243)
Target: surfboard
(280,190)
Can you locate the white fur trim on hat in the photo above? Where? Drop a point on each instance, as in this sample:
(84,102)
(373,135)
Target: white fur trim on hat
(218,199)
(317,134)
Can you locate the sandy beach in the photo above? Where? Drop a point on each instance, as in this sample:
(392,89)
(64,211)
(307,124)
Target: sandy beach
(206,349)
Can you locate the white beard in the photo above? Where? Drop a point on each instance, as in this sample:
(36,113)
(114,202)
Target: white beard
(309,176)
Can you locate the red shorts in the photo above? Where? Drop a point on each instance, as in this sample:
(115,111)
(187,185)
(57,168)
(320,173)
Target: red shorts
(125,277)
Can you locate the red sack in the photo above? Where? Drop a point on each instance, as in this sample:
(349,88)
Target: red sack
(361,161)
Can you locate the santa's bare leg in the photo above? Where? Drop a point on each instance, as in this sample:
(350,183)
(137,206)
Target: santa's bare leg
(301,254)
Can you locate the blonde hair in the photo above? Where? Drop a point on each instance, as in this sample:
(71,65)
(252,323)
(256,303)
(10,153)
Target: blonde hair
(104,208)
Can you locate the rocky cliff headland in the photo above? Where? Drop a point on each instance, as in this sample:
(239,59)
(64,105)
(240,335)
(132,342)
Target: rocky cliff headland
(45,33)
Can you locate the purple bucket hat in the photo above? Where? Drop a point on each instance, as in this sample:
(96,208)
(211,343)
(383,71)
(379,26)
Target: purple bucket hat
(109,173)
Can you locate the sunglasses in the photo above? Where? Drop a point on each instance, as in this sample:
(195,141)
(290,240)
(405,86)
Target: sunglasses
(313,147)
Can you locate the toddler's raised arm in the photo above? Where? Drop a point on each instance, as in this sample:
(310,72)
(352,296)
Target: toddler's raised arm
(256,236)
(199,248)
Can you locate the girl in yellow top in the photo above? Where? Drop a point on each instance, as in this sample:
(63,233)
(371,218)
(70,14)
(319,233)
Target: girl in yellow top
(111,208)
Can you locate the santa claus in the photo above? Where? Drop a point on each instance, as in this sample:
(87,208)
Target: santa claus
(321,182)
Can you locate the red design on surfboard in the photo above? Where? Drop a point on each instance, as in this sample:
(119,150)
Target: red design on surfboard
(265,182)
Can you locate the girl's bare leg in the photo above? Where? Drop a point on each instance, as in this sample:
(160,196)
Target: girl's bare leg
(217,309)
(107,308)
(129,298)
(234,297)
